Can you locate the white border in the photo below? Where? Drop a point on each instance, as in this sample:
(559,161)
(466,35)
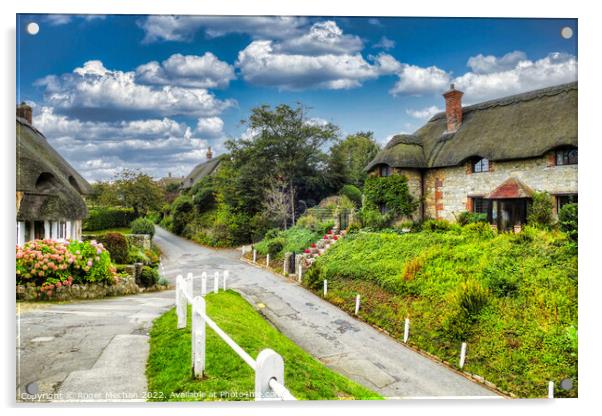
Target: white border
(590,289)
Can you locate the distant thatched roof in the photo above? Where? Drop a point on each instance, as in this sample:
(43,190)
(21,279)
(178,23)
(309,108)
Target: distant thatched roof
(52,188)
(515,127)
(201,170)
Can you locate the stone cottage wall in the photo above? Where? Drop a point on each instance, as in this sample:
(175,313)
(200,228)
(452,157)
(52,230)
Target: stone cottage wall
(447,189)
(414,186)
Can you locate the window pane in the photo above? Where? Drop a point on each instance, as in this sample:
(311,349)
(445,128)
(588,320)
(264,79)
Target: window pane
(572,156)
(484,165)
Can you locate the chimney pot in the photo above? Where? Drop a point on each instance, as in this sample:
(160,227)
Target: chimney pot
(209,153)
(24,111)
(453,108)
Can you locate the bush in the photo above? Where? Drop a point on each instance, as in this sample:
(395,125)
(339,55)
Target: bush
(353,193)
(117,245)
(181,214)
(391,192)
(50,264)
(275,246)
(371,218)
(312,223)
(142,226)
(568,220)
(478,229)
(103,218)
(467,303)
(154,217)
(436,225)
(148,276)
(540,210)
(470,217)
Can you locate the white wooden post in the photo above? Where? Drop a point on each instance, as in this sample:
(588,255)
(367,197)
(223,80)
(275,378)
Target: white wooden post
(203,284)
(46,230)
(267,260)
(406,331)
(551,390)
(462,355)
(357,303)
(216,282)
(198,336)
(190,284)
(181,307)
(325,287)
(226,275)
(300,272)
(269,366)
(254,256)
(21,237)
(68,228)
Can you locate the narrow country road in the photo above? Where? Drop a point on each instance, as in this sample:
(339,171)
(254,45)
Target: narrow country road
(343,343)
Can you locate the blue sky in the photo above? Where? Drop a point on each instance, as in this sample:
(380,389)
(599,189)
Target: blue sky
(152,92)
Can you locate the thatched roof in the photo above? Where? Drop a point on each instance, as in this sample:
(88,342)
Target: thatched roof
(201,170)
(515,127)
(52,188)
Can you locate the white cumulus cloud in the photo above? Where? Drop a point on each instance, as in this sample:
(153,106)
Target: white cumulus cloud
(210,127)
(424,113)
(205,71)
(415,80)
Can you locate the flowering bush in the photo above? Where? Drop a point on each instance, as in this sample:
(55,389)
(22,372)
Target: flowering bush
(307,251)
(50,264)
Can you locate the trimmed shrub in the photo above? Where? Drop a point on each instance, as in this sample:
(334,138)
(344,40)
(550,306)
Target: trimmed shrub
(478,229)
(275,246)
(391,192)
(353,193)
(436,225)
(568,220)
(142,226)
(466,217)
(117,245)
(540,210)
(103,218)
(148,276)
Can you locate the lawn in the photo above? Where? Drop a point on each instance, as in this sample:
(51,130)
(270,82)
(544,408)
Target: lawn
(227,376)
(512,298)
(122,230)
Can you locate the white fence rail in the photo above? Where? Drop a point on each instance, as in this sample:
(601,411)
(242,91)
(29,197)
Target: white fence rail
(268,367)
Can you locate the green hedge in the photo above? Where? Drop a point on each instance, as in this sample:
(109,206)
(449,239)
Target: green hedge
(103,218)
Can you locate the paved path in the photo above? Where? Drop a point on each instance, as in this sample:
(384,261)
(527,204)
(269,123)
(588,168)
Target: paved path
(87,351)
(343,343)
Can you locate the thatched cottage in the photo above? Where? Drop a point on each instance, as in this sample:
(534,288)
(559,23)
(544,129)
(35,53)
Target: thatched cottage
(202,170)
(50,192)
(489,157)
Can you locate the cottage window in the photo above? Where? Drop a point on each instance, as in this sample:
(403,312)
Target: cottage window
(480,165)
(62,230)
(385,170)
(566,157)
(562,200)
(480,205)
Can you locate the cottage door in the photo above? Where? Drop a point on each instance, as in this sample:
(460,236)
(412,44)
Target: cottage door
(38,230)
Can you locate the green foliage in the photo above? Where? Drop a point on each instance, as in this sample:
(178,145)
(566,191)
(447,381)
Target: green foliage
(49,264)
(149,276)
(275,246)
(511,297)
(374,220)
(138,191)
(203,194)
(102,218)
(154,217)
(314,224)
(437,226)
(568,220)
(143,226)
(390,192)
(349,157)
(470,217)
(353,193)
(540,210)
(295,239)
(169,367)
(181,214)
(117,245)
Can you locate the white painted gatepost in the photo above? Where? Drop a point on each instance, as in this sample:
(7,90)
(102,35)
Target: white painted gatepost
(269,365)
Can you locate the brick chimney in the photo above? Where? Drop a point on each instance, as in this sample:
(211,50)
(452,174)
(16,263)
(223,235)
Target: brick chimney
(453,108)
(24,111)
(209,153)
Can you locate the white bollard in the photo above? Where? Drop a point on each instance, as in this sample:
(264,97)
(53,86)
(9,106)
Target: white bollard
(190,285)
(181,308)
(462,355)
(406,331)
(300,273)
(198,336)
(254,256)
(267,260)
(216,282)
(203,284)
(325,287)
(357,304)
(551,390)
(226,275)
(269,366)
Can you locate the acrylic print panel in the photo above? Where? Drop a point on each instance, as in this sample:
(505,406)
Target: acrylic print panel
(396,215)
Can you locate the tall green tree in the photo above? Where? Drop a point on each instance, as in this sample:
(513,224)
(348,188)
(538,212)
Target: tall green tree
(139,191)
(350,156)
(285,146)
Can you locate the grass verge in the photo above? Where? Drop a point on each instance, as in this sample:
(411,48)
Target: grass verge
(227,376)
